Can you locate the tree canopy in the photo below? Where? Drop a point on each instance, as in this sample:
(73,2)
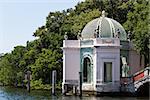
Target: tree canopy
(138,23)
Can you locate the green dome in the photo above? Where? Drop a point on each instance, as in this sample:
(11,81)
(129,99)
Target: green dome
(103,27)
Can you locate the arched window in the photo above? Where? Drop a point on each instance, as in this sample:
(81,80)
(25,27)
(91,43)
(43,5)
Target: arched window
(86,70)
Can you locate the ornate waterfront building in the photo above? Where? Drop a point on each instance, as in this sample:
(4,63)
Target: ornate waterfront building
(102,53)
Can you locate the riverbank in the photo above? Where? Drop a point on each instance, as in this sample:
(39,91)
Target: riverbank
(46,87)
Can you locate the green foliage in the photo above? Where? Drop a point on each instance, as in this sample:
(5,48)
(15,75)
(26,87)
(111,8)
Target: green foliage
(6,71)
(138,23)
(37,84)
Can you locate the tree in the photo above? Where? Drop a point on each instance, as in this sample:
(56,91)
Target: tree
(7,74)
(138,23)
(45,63)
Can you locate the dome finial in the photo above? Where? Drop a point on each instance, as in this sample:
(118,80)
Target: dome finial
(66,36)
(79,35)
(103,13)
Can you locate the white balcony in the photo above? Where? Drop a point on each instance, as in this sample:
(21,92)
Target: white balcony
(91,43)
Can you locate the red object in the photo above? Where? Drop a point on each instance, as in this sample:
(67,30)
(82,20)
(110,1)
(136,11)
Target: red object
(139,76)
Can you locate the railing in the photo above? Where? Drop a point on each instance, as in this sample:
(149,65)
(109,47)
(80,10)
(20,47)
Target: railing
(141,77)
(141,74)
(132,83)
(94,42)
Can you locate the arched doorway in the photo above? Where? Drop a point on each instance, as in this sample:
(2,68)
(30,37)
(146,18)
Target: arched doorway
(87,70)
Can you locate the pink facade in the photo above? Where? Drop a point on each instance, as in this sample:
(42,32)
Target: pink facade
(134,62)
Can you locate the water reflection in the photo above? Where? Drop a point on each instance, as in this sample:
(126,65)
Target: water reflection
(9,93)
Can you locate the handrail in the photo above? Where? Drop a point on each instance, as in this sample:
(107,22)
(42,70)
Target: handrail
(141,71)
(141,74)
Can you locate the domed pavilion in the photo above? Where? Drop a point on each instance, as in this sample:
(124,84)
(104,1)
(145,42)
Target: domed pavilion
(101,54)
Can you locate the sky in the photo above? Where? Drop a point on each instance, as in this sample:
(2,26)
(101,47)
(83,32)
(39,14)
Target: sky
(20,18)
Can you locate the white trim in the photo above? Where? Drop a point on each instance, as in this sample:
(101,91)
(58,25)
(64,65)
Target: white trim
(100,26)
(88,55)
(111,27)
(64,66)
(113,68)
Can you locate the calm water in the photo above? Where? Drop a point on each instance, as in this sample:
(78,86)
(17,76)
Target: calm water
(9,93)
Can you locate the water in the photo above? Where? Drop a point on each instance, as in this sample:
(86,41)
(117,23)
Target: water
(8,93)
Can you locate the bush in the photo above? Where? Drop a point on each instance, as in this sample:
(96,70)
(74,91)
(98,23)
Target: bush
(37,84)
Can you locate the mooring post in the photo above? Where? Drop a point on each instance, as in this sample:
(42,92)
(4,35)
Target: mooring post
(28,86)
(80,83)
(53,81)
(75,90)
(28,79)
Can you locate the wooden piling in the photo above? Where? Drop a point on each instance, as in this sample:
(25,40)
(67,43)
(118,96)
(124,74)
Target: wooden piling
(28,79)
(53,82)
(80,84)
(75,90)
